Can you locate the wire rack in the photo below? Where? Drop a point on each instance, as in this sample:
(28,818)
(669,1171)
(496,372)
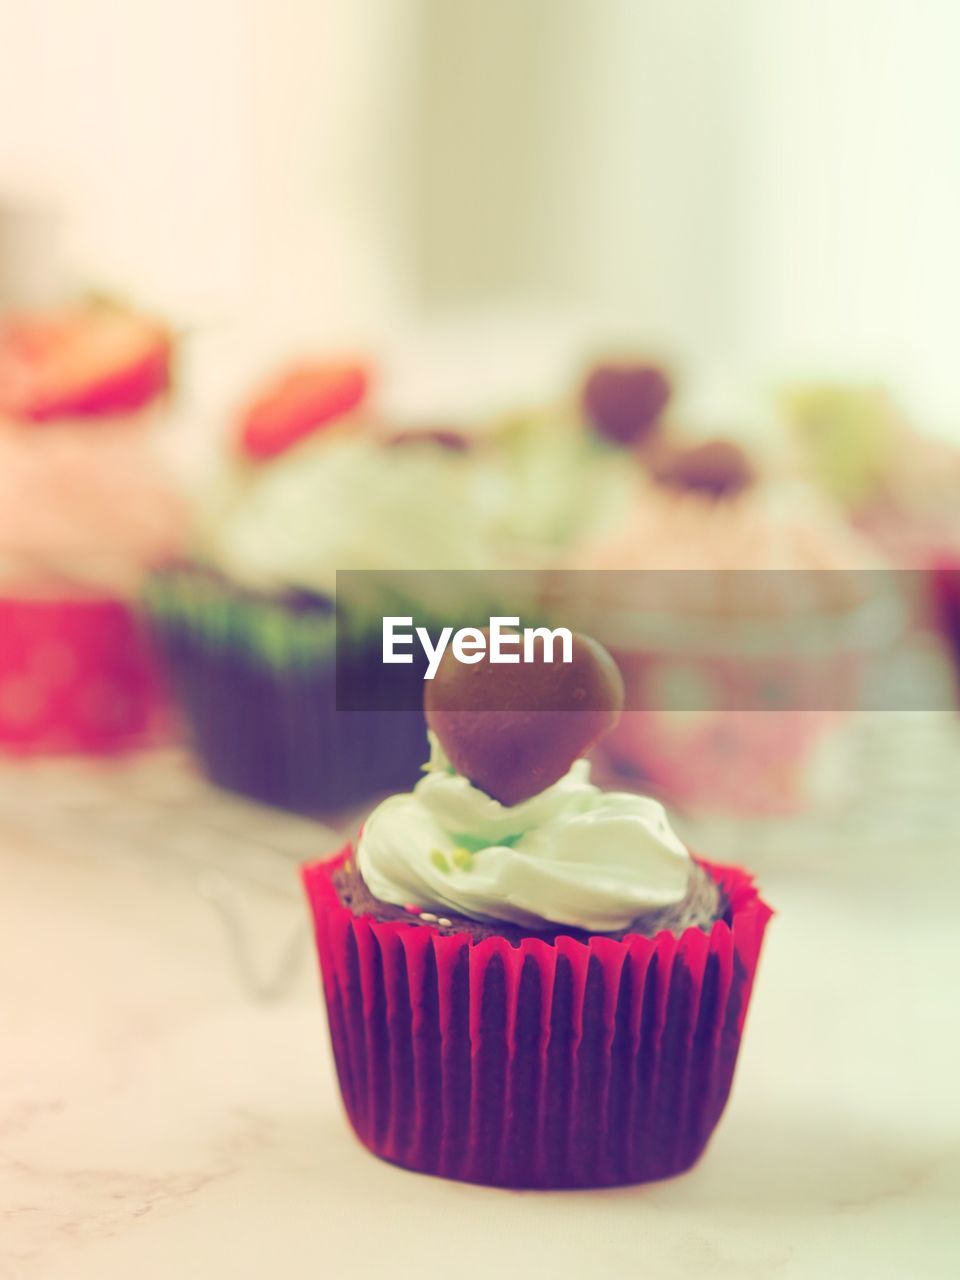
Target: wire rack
(900,789)
(157,806)
(157,809)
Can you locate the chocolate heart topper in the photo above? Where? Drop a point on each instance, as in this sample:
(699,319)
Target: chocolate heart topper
(716,468)
(515,729)
(624,401)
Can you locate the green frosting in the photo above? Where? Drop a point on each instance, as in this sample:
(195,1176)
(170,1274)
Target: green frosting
(189,602)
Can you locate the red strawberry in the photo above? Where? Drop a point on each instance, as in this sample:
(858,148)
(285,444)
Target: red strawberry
(302,400)
(84,363)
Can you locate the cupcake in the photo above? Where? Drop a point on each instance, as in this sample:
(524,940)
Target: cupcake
(567,474)
(899,485)
(85,507)
(846,435)
(738,611)
(531,982)
(251,623)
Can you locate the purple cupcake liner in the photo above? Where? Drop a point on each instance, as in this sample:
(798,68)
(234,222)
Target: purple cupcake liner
(272,731)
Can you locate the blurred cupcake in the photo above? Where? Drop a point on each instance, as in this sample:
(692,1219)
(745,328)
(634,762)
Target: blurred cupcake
(249,622)
(568,473)
(85,507)
(319,481)
(531,982)
(900,486)
(847,437)
(742,638)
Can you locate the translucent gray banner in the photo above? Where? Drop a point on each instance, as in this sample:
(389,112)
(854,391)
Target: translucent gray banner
(685,641)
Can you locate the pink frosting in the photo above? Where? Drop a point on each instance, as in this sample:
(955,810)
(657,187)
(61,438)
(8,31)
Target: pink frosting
(762,528)
(81,505)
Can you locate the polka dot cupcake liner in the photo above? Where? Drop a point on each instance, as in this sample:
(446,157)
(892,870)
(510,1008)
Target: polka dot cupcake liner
(77,676)
(707,732)
(543,1065)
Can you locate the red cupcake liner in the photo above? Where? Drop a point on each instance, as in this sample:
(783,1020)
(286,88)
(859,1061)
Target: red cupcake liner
(561,1064)
(76,675)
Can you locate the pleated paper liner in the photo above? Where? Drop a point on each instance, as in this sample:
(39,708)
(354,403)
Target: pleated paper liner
(276,735)
(77,676)
(544,1065)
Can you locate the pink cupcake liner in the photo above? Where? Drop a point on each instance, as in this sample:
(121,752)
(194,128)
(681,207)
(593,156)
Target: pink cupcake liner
(76,675)
(548,1064)
(734,753)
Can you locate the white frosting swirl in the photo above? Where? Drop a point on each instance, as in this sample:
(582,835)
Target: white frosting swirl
(343,501)
(571,855)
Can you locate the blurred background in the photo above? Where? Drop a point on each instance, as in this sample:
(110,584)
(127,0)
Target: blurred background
(477,198)
(759,189)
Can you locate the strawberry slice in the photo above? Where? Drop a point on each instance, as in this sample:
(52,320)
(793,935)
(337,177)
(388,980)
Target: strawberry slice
(85,363)
(304,399)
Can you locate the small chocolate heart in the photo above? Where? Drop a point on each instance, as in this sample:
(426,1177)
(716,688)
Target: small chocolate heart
(717,468)
(514,729)
(624,401)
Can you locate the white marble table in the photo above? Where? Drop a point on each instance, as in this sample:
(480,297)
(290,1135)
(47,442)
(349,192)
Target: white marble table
(168,1112)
